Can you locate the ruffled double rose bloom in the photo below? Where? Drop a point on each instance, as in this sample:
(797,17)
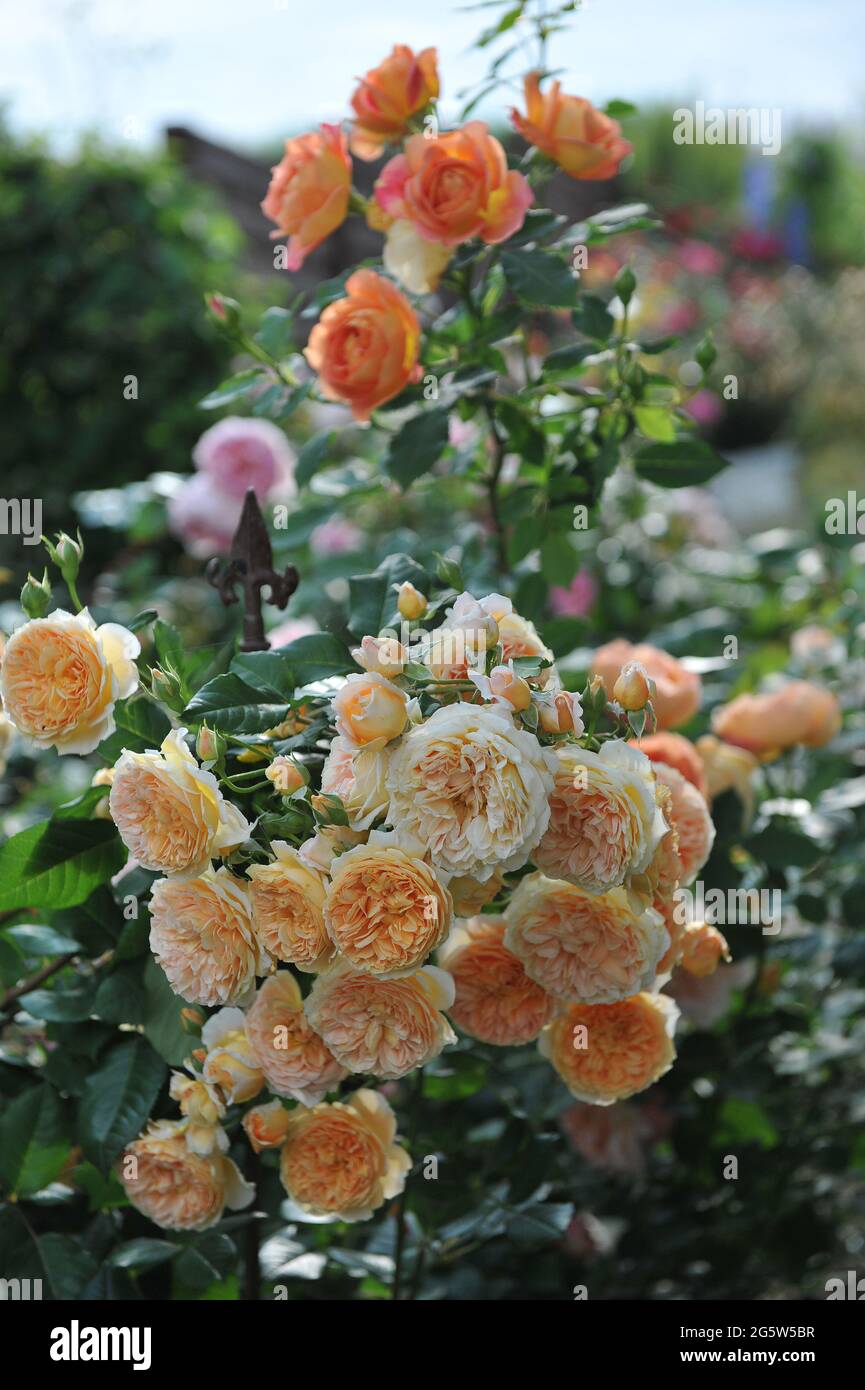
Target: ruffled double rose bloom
(440,191)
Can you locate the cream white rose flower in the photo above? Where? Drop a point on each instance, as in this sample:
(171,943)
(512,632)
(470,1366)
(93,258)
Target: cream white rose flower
(171,815)
(472,788)
(412,260)
(358,776)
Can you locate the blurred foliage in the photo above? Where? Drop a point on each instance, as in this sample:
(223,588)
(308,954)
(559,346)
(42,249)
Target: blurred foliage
(106,259)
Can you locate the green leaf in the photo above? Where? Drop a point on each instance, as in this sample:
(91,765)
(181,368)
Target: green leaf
(559,560)
(235,388)
(655,422)
(118,1099)
(540,277)
(783,847)
(566,359)
(746,1122)
(59,1005)
(58,863)
(41,941)
(144,1253)
(372,597)
(232,705)
(140,724)
(592,318)
(275,333)
(120,996)
(33,1141)
(315,453)
(312,657)
(683,463)
(162,1023)
(417,446)
(62,1262)
(619,109)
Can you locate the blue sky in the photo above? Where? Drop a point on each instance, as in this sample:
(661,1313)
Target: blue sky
(244,71)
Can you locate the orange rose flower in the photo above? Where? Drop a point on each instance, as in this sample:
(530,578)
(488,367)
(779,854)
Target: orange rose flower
(689,815)
(309,191)
(676,751)
(176,1188)
(455,187)
(384,1027)
(386,910)
(608,1052)
(389,95)
(342,1160)
(365,346)
(798,712)
(582,140)
(293,1058)
(703,948)
(495,1002)
(677,690)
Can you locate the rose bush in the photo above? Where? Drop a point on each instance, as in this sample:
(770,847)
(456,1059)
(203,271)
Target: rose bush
(395,893)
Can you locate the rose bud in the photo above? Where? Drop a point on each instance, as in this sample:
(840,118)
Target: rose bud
(286,775)
(505,684)
(383,655)
(412,604)
(632,689)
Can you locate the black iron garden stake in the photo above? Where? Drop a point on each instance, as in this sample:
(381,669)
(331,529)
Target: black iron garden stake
(250,564)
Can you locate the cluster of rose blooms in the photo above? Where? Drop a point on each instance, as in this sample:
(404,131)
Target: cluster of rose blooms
(442,190)
(470,782)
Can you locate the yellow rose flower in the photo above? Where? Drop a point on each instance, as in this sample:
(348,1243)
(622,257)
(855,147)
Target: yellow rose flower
(495,1001)
(342,1160)
(386,910)
(368,708)
(384,1027)
(177,1189)
(583,946)
(266,1126)
(605,824)
(703,948)
(203,1107)
(231,1063)
(472,789)
(170,813)
(358,776)
(292,1056)
(62,676)
(288,909)
(202,936)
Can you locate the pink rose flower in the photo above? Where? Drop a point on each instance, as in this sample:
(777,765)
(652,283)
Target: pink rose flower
(237,454)
(577,599)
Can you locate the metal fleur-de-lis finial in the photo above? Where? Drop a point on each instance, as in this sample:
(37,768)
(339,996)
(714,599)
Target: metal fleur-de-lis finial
(250,564)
